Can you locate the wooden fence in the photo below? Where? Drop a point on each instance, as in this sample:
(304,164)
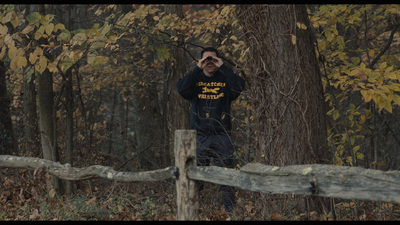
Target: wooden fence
(317,180)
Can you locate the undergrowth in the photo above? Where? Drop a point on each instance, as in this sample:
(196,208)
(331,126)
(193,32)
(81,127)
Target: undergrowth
(23,197)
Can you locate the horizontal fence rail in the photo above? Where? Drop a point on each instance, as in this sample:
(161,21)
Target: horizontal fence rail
(318,180)
(66,172)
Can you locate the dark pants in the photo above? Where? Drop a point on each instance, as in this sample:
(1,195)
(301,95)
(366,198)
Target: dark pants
(220,148)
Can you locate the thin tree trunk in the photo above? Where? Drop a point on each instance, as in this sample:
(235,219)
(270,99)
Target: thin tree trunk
(32,142)
(45,95)
(110,125)
(7,142)
(69,98)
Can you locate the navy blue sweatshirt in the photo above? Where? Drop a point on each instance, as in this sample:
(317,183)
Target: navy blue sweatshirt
(211,99)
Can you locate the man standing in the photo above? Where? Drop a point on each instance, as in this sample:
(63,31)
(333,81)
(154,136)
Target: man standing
(211,87)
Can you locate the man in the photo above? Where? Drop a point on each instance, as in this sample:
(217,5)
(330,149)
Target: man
(211,87)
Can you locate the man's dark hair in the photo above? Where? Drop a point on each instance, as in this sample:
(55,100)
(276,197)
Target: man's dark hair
(209,49)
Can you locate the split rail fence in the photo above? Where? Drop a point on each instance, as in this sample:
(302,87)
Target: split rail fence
(317,180)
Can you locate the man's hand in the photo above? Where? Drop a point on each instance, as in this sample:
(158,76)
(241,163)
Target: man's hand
(201,63)
(219,62)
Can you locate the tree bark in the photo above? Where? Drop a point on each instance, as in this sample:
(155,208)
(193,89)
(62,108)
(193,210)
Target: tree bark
(69,98)
(343,182)
(66,172)
(7,140)
(45,95)
(285,87)
(173,103)
(147,124)
(186,189)
(32,142)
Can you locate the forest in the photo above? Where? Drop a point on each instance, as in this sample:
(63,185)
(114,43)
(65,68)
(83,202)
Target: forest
(84,85)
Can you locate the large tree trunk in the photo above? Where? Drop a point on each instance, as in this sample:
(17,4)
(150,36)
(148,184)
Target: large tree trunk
(285,91)
(176,109)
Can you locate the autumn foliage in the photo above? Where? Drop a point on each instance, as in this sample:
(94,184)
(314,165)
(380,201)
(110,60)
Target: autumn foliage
(118,67)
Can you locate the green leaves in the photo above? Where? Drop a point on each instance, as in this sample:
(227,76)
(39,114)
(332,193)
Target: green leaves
(99,60)
(34,17)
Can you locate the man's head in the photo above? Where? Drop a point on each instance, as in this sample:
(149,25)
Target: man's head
(210,66)
(209,49)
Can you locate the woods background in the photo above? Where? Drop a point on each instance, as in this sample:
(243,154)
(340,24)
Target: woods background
(95,84)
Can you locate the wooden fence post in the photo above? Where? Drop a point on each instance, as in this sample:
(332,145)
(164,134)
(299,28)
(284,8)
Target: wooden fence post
(187,191)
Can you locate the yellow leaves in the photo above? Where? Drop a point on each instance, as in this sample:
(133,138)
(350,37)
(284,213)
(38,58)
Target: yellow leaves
(162,53)
(383,96)
(17,57)
(383,65)
(396,99)
(12,51)
(97,60)
(335,114)
(226,10)
(105,30)
(316,22)
(329,35)
(2,52)
(18,61)
(371,53)
(145,40)
(21,61)
(41,66)
(64,36)
(46,19)
(381,86)
(373,75)
(7,17)
(233,38)
(49,28)
(355,72)
(78,39)
(39,33)
(28,29)
(59,26)
(3,29)
(32,58)
(293,39)
(301,26)
(98,86)
(367,96)
(52,193)
(35,55)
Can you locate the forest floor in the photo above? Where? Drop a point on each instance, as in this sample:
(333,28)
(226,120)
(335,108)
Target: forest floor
(23,197)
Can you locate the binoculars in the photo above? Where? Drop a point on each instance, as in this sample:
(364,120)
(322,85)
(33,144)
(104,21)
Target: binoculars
(209,58)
